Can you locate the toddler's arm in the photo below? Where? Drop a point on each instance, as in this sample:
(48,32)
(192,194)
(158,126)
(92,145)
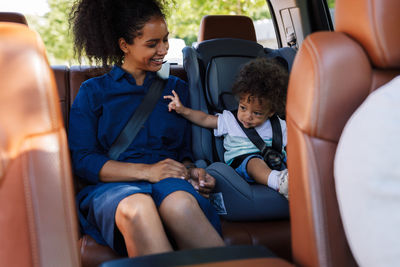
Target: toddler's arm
(196,116)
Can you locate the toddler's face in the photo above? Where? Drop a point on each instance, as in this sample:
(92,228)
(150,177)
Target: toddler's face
(252,112)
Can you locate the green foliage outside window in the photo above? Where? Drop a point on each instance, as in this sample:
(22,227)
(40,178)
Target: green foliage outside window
(331,3)
(54,30)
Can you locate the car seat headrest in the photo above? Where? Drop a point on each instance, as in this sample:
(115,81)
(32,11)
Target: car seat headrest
(222,59)
(375,25)
(227,47)
(226,26)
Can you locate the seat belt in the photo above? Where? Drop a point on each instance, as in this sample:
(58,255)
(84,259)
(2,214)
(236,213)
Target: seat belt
(276,133)
(272,155)
(140,115)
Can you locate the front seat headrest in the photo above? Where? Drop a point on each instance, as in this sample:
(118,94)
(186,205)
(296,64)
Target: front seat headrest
(375,25)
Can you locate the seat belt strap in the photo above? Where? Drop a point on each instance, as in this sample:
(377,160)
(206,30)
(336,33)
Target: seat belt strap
(138,118)
(276,133)
(256,139)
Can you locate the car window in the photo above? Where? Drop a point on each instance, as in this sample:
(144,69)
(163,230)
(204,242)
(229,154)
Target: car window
(50,19)
(331,6)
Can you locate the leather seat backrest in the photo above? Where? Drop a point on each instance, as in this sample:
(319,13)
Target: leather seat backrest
(38,224)
(332,75)
(13,17)
(226,26)
(61,74)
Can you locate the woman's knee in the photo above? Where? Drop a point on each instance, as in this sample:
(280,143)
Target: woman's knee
(179,203)
(134,209)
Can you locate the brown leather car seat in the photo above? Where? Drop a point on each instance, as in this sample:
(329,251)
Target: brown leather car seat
(61,72)
(332,75)
(38,225)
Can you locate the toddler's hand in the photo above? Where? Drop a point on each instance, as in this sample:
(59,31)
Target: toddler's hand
(175,103)
(203,182)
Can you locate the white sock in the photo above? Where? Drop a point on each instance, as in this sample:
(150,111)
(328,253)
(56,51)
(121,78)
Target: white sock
(273,180)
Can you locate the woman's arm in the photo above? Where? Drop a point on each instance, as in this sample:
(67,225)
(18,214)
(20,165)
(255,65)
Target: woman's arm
(116,171)
(196,116)
(89,159)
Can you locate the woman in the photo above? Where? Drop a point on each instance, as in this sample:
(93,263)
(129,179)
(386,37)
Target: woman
(131,199)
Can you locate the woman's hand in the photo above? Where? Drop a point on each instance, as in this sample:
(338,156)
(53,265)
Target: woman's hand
(203,182)
(165,169)
(175,103)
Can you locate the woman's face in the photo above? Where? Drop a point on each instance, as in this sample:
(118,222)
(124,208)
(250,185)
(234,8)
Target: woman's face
(148,50)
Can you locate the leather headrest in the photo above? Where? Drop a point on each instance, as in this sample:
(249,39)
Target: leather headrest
(25,102)
(375,24)
(21,35)
(13,17)
(226,26)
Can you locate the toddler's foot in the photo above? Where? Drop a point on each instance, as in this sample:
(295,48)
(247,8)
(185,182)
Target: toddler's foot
(283,178)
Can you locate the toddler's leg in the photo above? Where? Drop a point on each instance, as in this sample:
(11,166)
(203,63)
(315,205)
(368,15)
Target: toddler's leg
(258,170)
(262,174)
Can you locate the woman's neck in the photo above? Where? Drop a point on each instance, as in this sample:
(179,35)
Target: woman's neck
(138,75)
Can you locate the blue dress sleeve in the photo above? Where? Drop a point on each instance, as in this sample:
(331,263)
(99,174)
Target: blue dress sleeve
(88,157)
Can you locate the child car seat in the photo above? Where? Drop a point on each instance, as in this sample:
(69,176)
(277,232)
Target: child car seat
(212,66)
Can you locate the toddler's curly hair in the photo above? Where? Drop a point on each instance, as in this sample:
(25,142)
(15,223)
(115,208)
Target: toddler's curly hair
(263,79)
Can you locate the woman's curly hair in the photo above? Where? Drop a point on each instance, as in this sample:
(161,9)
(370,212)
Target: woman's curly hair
(97,26)
(265,80)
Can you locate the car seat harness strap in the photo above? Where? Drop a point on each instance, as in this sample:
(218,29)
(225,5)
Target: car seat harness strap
(272,155)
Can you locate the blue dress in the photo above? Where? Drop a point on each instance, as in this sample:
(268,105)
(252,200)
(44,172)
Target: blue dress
(99,113)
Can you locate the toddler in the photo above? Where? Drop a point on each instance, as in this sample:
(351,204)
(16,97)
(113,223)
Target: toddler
(261,91)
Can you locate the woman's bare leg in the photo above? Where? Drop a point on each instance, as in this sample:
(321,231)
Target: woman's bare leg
(187,223)
(138,220)
(258,170)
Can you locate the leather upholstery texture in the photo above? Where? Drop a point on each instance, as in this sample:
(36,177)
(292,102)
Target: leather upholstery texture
(374,24)
(38,223)
(332,75)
